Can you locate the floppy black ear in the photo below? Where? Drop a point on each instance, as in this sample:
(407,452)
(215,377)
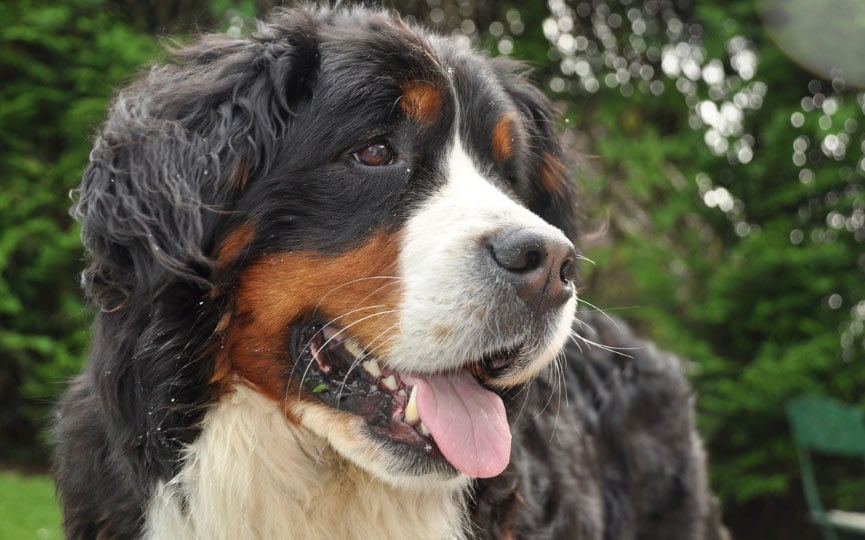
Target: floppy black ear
(164,165)
(177,147)
(141,206)
(552,185)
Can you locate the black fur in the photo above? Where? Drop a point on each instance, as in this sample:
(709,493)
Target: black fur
(235,128)
(605,449)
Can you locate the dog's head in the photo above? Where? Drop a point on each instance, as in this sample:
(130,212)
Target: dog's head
(376,221)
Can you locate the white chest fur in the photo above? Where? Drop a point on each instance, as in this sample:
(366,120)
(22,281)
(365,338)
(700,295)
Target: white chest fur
(252,474)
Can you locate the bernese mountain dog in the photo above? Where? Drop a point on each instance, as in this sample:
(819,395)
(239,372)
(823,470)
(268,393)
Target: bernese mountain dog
(333,270)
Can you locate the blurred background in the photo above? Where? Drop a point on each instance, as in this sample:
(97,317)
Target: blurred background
(720,147)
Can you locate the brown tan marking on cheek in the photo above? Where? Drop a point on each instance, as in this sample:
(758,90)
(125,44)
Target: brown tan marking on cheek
(503,138)
(421,101)
(553,175)
(357,289)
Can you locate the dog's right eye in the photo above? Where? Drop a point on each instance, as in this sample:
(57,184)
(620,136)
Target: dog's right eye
(375,154)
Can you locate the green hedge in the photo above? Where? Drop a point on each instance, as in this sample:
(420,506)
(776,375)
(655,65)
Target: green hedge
(59,64)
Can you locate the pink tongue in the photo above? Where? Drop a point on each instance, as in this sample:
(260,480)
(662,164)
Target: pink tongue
(467,422)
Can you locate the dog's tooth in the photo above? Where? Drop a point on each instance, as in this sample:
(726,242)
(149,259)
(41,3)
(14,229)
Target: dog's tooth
(390,382)
(424,430)
(371,367)
(402,393)
(411,415)
(352,346)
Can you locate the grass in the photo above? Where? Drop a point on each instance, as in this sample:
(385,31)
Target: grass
(28,508)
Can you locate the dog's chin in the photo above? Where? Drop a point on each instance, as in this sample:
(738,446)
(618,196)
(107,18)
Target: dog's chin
(367,409)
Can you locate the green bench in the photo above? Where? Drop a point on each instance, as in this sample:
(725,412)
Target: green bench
(829,427)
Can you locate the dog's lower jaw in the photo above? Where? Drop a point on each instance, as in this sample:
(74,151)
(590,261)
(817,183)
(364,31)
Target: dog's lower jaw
(253,474)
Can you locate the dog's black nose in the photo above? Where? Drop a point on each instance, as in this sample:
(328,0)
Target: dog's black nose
(540,264)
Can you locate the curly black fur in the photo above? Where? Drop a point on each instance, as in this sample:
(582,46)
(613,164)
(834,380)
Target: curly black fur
(607,450)
(153,202)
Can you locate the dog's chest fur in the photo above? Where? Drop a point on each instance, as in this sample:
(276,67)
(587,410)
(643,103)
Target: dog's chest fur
(252,474)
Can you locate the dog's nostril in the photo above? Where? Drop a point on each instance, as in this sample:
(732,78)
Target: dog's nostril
(532,259)
(518,251)
(519,258)
(568,270)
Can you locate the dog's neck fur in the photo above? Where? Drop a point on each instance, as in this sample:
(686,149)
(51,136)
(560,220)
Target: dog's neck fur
(253,474)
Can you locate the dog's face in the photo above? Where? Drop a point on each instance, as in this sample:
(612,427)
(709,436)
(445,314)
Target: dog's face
(388,271)
(389,254)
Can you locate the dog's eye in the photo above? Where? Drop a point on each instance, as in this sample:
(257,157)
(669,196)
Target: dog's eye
(374,154)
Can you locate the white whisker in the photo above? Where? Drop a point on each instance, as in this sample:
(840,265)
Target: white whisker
(335,319)
(344,329)
(358,361)
(614,350)
(599,310)
(558,387)
(352,282)
(524,389)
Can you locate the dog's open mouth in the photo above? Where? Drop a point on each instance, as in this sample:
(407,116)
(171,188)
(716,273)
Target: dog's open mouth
(449,417)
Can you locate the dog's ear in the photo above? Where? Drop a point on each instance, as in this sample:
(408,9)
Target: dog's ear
(177,146)
(552,186)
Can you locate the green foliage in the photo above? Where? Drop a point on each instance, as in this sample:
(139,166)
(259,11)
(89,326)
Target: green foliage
(728,183)
(28,508)
(59,64)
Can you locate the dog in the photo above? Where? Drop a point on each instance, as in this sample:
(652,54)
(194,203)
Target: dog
(334,277)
